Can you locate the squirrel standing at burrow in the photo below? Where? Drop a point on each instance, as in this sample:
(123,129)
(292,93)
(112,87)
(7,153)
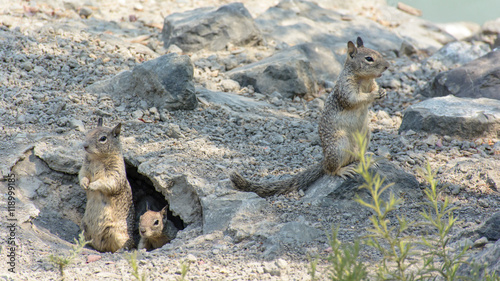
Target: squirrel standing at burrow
(344,114)
(108,221)
(155,229)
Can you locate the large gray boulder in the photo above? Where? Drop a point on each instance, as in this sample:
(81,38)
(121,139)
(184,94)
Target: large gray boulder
(476,79)
(165,83)
(288,72)
(211,28)
(453,116)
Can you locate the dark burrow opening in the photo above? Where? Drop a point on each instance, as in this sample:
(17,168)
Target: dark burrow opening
(61,201)
(146,198)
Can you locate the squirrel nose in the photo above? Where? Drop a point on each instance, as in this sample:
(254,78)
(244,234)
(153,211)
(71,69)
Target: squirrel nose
(142,230)
(85,145)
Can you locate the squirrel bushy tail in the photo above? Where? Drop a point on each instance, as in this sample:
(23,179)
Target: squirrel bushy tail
(301,181)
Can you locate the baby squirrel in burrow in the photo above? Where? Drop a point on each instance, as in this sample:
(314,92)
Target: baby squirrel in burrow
(345,113)
(155,229)
(108,221)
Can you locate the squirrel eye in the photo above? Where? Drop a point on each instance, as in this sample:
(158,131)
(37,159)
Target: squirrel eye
(369,59)
(103,139)
(156,222)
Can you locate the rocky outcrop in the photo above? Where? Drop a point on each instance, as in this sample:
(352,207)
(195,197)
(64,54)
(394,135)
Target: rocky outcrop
(491,228)
(288,72)
(479,78)
(456,54)
(453,116)
(488,259)
(328,189)
(164,83)
(211,28)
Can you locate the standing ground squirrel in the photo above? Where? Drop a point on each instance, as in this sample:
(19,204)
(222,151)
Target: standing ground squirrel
(109,215)
(155,230)
(345,113)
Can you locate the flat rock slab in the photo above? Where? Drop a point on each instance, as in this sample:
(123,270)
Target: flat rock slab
(330,190)
(211,28)
(467,118)
(479,78)
(233,101)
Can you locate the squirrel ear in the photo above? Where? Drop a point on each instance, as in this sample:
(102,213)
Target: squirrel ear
(164,211)
(116,130)
(99,122)
(359,41)
(351,49)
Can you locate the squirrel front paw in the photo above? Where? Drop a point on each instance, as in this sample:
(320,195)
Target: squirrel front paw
(381,93)
(84,183)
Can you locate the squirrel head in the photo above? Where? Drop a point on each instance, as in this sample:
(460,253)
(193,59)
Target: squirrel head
(103,140)
(364,62)
(151,223)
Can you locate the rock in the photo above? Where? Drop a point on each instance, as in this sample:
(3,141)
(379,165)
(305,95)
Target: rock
(229,85)
(491,27)
(64,157)
(234,211)
(85,12)
(272,269)
(423,34)
(407,49)
(27,65)
(282,264)
(191,258)
(355,6)
(491,228)
(174,49)
(174,131)
(493,177)
(288,72)
(330,189)
(480,242)
(467,118)
(460,30)
(211,28)
(297,22)
(136,114)
(488,259)
(182,191)
(296,233)
(76,124)
(476,79)
(165,83)
(233,101)
(458,53)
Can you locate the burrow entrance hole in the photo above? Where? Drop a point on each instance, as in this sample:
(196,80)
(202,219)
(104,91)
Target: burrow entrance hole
(146,197)
(61,201)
